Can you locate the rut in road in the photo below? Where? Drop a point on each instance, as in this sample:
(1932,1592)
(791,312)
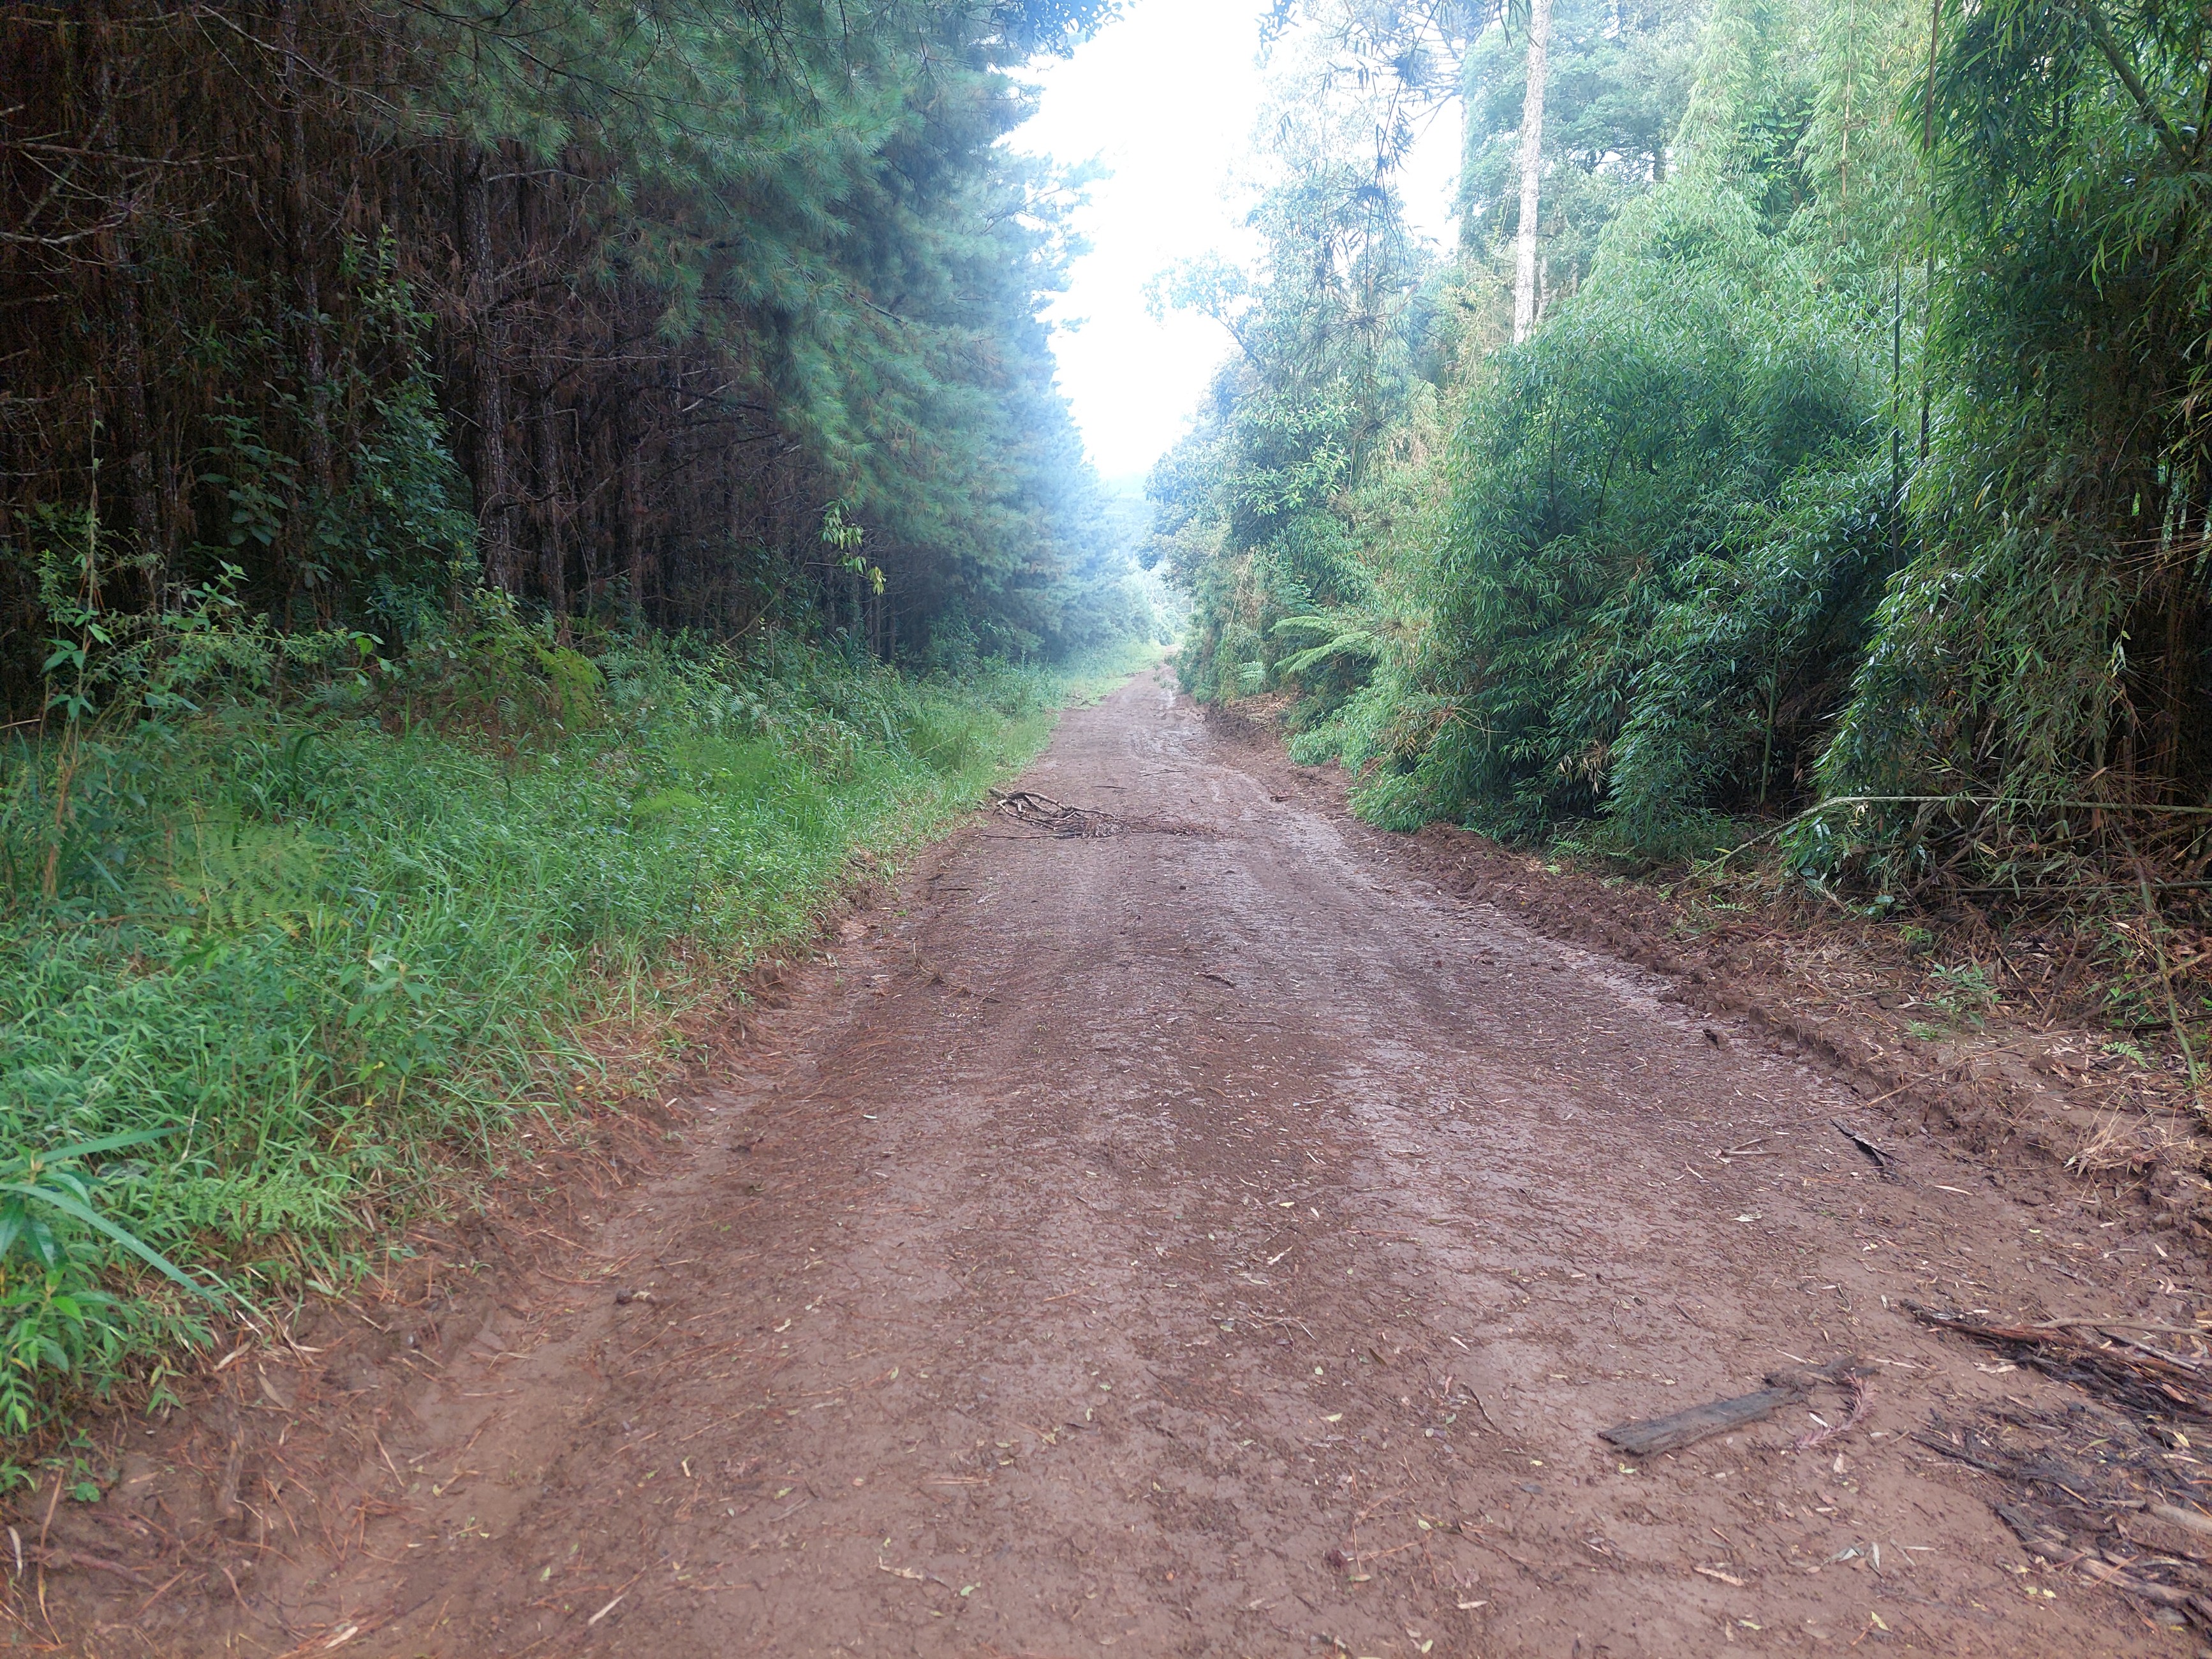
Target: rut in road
(1223,1243)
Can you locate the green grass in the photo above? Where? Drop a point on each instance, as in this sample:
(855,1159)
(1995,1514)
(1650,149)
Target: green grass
(338,951)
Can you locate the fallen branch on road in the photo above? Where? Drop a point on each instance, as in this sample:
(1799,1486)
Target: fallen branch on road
(1040,812)
(1044,816)
(1883,1161)
(1646,1437)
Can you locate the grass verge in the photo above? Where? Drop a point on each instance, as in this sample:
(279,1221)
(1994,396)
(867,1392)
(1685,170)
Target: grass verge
(332,953)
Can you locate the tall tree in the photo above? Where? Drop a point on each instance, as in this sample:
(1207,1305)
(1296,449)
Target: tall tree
(1532,170)
(1328,325)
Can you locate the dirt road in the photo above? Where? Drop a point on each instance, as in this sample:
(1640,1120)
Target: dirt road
(1223,1242)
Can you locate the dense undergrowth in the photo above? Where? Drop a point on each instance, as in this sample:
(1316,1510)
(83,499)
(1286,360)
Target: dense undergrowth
(331,949)
(1846,497)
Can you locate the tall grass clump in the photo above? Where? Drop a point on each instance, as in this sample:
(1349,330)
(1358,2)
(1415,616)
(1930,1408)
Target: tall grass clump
(318,953)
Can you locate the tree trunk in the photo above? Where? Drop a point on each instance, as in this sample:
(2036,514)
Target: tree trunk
(1532,170)
(545,462)
(306,276)
(122,267)
(487,410)
(637,566)
(137,426)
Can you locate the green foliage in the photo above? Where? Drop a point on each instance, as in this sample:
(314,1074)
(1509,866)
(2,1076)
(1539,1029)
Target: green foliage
(600,309)
(2047,644)
(403,401)
(1858,463)
(317,963)
(1963,993)
(1619,76)
(1746,664)
(1257,507)
(59,1330)
(502,672)
(1306,511)
(1661,543)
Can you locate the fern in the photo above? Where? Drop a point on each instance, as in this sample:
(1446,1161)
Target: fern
(241,875)
(1334,642)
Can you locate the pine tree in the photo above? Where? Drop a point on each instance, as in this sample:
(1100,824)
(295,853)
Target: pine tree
(604,307)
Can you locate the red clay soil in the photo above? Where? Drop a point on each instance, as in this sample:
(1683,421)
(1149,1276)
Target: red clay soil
(1215,1238)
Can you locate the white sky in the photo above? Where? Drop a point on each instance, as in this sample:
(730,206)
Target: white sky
(1167,96)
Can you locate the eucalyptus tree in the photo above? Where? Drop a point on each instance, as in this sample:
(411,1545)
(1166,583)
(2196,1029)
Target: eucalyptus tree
(1532,168)
(1567,108)
(1618,77)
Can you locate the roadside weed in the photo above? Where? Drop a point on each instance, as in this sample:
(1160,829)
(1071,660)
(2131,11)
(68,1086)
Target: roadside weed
(271,977)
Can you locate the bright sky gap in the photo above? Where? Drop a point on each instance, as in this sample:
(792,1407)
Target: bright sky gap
(1167,97)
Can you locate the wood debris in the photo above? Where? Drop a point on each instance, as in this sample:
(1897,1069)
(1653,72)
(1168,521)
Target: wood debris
(2128,1372)
(1042,816)
(1648,1436)
(1855,1392)
(2096,1490)
(1883,1161)
(1048,817)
